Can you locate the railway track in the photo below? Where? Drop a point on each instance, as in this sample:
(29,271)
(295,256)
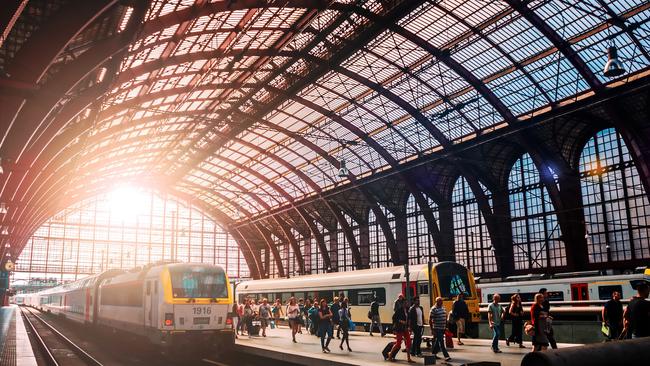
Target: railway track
(56,349)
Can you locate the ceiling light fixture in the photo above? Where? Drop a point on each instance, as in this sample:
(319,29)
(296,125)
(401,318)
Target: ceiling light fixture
(613,67)
(343,169)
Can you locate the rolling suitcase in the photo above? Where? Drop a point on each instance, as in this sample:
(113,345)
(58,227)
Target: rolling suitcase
(255,328)
(449,339)
(386,350)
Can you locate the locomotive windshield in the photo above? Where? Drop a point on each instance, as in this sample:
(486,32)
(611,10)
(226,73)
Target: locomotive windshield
(198,282)
(453,280)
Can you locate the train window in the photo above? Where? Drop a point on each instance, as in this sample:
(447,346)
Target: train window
(423,289)
(605,292)
(366,296)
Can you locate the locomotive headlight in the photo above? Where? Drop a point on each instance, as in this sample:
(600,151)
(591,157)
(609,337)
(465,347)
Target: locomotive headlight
(169,319)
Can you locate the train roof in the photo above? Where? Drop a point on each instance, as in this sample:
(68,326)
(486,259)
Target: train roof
(560,281)
(357,277)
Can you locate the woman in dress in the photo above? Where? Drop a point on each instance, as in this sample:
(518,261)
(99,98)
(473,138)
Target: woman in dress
(538,318)
(516,313)
(293,314)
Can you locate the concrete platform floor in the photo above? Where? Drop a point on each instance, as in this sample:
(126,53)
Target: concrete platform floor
(15,346)
(367,350)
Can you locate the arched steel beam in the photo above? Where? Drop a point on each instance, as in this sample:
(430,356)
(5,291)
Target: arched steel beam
(270,244)
(497,47)
(40,51)
(9,14)
(560,43)
(52,90)
(257,269)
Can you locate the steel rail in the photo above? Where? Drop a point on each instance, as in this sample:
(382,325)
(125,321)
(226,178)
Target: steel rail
(73,346)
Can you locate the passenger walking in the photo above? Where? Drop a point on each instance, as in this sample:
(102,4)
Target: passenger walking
(637,314)
(305,315)
(397,305)
(375,319)
(613,316)
(241,323)
(495,316)
(336,306)
(265,315)
(516,312)
(401,330)
(235,318)
(313,318)
(277,311)
(344,323)
(301,309)
(293,315)
(538,317)
(416,322)
(325,326)
(438,324)
(248,316)
(460,314)
(550,335)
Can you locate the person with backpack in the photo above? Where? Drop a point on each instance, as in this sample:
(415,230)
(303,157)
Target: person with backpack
(344,324)
(516,313)
(459,315)
(373,316)
(636,318)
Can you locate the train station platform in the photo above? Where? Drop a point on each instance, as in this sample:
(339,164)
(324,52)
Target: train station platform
(367,350)
(15,347)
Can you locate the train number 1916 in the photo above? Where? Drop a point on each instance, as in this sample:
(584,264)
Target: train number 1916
(203,310)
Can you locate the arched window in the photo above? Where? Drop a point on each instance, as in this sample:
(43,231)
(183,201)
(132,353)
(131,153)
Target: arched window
(615,203)
(472,240)
(379,253)
(344,252)
(124,229)
(420,244)
(535,229)
(318,265)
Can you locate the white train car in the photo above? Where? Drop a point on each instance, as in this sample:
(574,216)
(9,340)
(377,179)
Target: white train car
(587,288)
(177,306)
(447,280)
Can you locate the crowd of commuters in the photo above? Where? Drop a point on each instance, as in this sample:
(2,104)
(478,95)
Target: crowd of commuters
(322,319)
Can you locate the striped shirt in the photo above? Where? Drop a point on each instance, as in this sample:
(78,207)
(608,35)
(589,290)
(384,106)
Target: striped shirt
(438,316)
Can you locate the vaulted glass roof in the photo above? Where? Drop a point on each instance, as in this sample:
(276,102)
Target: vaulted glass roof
(249,107)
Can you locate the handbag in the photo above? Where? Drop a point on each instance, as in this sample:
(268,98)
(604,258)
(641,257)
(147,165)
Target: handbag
(369,315)
(529,329)
(605,330)
(351,325)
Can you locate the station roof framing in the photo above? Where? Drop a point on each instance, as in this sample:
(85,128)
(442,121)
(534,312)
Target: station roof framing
(249,106)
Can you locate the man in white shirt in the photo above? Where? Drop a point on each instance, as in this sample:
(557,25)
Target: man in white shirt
(416,323)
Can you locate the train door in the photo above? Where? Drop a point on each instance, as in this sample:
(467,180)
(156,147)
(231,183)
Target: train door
(412,288)
(579,292)
(149,304)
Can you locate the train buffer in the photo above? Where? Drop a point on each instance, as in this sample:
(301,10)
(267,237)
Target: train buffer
(366,350)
